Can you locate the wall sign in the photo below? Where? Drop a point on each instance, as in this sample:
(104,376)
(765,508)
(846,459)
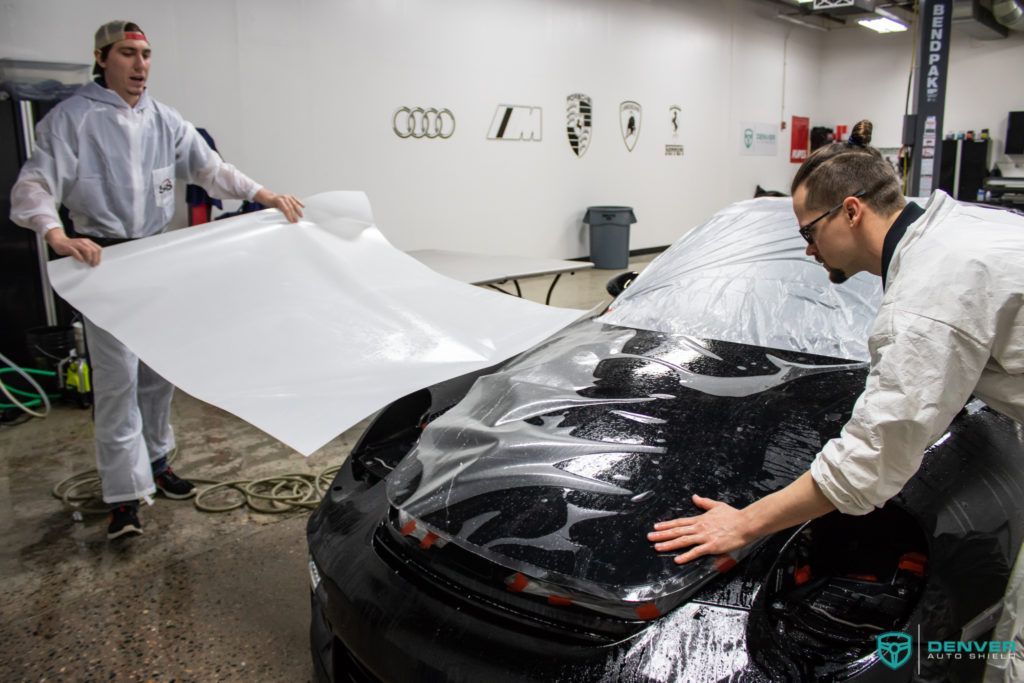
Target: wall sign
(674,149)
(516,122)
(578,112)
(936,17)
(417,122)
(800,139)
(758,139)
(629,123)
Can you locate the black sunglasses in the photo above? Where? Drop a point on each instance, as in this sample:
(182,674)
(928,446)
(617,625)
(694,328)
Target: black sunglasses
(805,230)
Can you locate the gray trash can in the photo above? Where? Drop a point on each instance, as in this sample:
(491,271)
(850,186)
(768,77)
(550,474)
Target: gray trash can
(609,235)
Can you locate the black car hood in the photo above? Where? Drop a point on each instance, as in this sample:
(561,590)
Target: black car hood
(558,465)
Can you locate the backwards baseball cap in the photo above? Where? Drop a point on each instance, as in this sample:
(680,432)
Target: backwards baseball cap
(117,30)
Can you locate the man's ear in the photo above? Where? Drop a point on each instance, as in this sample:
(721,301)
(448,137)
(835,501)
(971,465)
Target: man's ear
(854,208)
(98,56)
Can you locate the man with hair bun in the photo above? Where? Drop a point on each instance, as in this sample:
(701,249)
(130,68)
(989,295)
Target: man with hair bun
(951,324)
(111,155)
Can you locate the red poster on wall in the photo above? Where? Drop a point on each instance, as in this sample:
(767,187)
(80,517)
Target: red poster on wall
(801,139)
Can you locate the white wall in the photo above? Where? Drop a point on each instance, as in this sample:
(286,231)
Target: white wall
(300,95)
(864,75)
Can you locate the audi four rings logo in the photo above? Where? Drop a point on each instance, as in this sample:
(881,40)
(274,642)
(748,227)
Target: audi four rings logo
(417,122)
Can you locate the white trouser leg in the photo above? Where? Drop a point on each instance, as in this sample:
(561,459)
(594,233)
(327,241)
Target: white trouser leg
(1010,627)
(121,455)
(155,395)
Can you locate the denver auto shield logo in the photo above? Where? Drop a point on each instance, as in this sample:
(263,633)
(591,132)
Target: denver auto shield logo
(894,648)
(578,122)
(629,122)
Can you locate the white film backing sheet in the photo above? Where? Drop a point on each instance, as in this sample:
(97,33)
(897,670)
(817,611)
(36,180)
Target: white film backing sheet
(300,329)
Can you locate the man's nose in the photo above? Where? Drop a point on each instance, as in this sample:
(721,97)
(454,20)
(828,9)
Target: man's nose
(812,249)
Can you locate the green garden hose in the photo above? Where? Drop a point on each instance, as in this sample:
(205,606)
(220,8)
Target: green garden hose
(36,398)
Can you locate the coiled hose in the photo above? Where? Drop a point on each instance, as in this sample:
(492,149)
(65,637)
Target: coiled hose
(80,492)
(34,399)
(270,495)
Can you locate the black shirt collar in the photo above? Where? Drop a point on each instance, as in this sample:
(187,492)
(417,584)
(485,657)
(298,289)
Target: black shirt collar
(911,212)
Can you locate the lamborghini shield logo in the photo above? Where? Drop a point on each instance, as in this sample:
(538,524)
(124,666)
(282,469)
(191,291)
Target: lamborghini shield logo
(578,122)
(629,122)
(894,648)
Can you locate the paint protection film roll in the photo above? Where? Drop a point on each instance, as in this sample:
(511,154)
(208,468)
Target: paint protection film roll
(304,329)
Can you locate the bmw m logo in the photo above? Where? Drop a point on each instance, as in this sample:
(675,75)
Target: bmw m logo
(515,122)
(894,648)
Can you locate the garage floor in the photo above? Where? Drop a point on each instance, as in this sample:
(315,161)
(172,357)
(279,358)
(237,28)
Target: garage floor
(198,596)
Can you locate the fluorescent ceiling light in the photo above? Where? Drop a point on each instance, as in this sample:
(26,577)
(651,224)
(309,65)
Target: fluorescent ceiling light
(882,25)
(894,14)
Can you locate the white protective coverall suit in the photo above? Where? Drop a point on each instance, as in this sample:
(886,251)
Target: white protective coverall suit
(951,323)
(114,167)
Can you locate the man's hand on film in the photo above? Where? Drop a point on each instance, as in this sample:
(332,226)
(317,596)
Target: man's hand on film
(720,529)
(287,204)
(79,248)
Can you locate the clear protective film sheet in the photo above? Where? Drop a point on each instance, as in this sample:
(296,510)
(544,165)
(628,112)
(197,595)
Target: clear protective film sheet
(598,433)
(304,329)
(742,276)
(716,371)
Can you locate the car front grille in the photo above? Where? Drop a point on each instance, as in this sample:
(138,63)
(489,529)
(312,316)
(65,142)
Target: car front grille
(476,585)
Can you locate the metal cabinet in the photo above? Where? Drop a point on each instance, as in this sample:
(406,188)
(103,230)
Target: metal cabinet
(964,168)
(26,300)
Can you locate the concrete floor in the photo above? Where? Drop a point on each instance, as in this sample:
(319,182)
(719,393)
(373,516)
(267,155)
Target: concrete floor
(198,596)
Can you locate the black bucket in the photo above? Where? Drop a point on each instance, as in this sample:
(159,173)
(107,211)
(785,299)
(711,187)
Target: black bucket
(48,346)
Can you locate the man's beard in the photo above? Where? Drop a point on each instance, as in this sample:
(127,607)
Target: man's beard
(836,276)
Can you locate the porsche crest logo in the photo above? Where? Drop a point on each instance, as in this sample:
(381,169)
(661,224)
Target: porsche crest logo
(578,122)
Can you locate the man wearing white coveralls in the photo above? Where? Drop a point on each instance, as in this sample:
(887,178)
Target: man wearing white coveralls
(951,323)
(111,154)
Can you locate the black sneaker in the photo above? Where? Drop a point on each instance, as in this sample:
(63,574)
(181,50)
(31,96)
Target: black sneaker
(173,486)
(124,521)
